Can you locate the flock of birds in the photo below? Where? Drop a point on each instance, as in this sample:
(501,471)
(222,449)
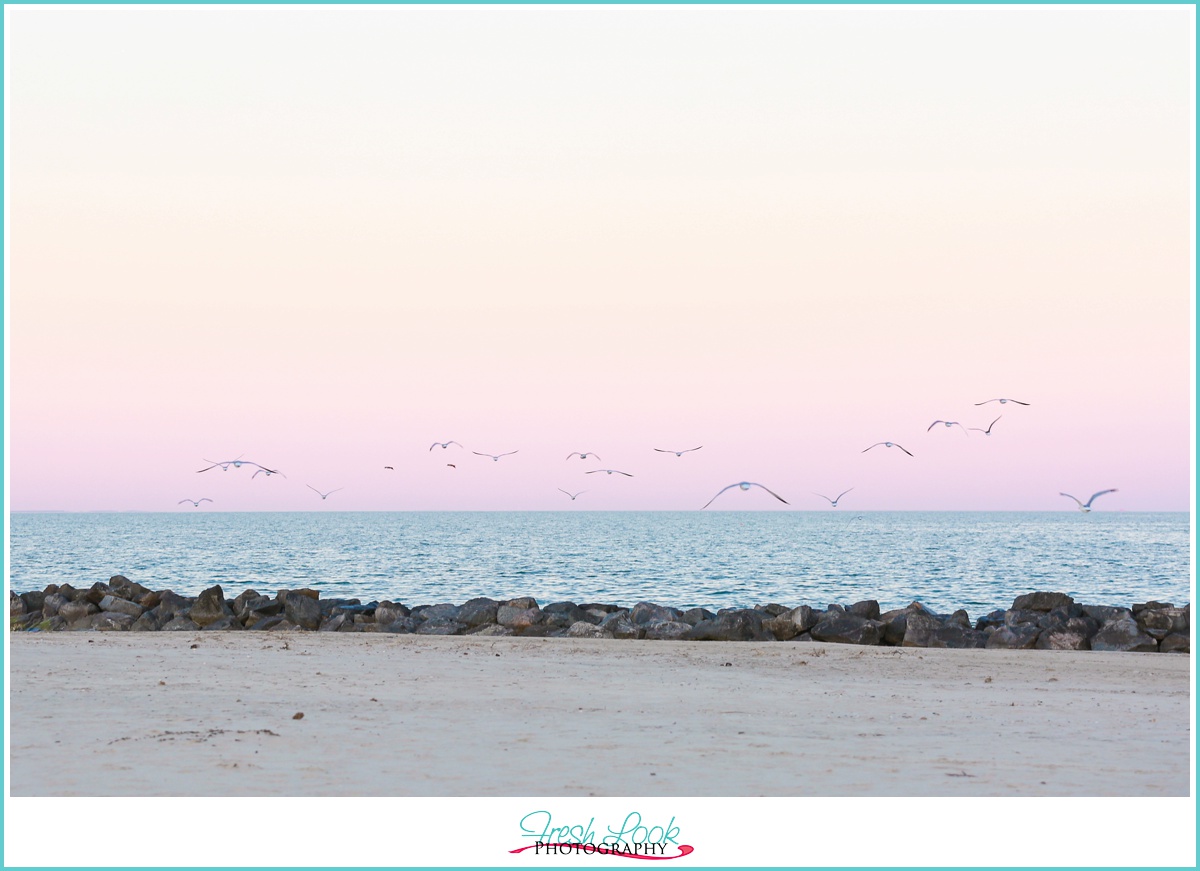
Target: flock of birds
(237,463)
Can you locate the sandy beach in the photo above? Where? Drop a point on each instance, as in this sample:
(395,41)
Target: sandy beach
(393,715)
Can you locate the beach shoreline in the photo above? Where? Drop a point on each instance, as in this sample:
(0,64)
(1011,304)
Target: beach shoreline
(214,714)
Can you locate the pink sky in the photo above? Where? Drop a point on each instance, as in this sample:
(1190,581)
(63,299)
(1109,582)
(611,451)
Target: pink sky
(323,239)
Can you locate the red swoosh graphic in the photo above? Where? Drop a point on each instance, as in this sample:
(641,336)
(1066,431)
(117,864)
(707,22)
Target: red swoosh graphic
(684,850)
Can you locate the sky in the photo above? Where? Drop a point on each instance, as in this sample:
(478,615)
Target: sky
(321,239)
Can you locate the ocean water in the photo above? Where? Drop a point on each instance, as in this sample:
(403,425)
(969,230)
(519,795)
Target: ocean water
(974,560)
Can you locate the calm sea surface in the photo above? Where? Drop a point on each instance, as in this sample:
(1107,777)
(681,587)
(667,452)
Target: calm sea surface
(974,560)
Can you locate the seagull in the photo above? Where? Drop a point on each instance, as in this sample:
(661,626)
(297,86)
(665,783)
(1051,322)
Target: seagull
(610,471)
(1002,401)
(1085,507)
(678,453)
(496,457)
(987,431)
(237,464)
(584,456)
(393,468)
(195,502)
(323,495)
(267,472)
(833,502)
(451,465)
(443,445)
(746,485)
(887,445)
(572,495)
(224,465)
(949,423)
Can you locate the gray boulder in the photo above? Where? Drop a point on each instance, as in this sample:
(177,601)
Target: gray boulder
(848,629)
(1155,623)
(478,612)
(1123,635)
(772,609)
(444,611)
(919,629)
(692,616)
(244,603)
(173,603)
(648,612)
(1175,643)
(519,620)
(1074,634)
(868,608)
(1017,616)
(51,603)
(300,609)
(1041,601)
(111,621)
(994,620)
(1059,615)
(959,618)
(387,613)
(895,624)
(33,601)
(667,630)
(1022,636)
(150,621)
(584,629)
(209,606)
(334,622)
(1151,605)
(121,606)
(731,625)
(957,636)
(1107,613)
(782,627)
(523,603)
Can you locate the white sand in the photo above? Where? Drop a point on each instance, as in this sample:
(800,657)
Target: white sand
(201,714)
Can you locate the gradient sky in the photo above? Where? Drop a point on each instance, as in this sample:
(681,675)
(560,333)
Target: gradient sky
(323,238)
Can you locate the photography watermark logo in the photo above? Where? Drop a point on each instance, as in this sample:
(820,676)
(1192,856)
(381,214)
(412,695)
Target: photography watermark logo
(633,839)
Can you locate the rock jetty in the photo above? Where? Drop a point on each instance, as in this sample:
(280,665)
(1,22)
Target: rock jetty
(1041,620)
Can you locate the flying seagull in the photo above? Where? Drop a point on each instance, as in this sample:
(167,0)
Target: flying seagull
(833,502)
(323,495)
(1085,507)
(987,431)
(610,471)
(443,444)
(195,502)
(584,455)
(1002,401)
(746,485)
(267,472)
(887,445)
(496,457)
(393,468)
(678,453)
(572,495)
(949,423)
(237,464)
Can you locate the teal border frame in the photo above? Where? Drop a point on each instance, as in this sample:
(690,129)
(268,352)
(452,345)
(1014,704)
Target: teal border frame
(575,864)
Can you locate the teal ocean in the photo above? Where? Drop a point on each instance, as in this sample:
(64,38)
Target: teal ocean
(974,560)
